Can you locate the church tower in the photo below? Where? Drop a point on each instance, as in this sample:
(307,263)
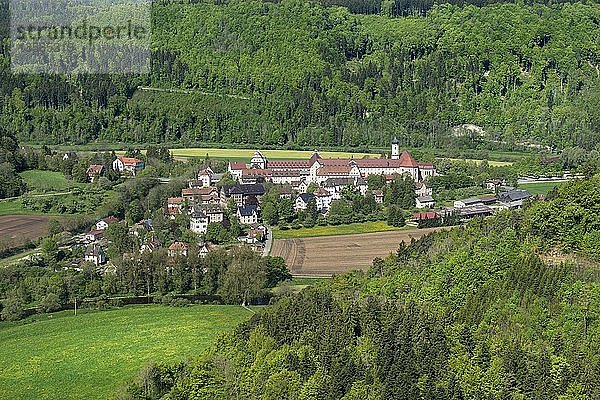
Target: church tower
(395,149)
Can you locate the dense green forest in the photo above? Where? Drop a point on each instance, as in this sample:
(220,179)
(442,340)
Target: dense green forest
(478,312)
(297,73)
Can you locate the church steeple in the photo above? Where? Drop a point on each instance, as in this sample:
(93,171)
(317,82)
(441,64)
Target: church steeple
(395,149)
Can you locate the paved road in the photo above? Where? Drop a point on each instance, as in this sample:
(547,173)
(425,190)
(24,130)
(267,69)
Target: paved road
(268,242)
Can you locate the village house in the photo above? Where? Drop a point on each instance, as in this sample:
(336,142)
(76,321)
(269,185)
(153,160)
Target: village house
(256,234)
(204,195)
(421,189)
(94,171)
(150,245)
(206,177)
(379,196)
(302,186)
(178,249)
(515,198)
(302,201)
(128,164)
(93,236)
(203,250)
(242,194)
(336,185)
(198,220)
(493,185)
(141,228)
(104,223)
(214,212)
(95,254)
(425,202)
(174,206)
(247,215)
(285,192)
(323,199)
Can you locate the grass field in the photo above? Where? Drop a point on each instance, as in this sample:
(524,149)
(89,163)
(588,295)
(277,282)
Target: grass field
(246,154)
(350,229)
(91,355)
(13,207)
(539,188)
(47,181)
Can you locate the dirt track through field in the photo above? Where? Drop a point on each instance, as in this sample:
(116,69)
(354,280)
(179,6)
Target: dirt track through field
(18,229)
(332,255)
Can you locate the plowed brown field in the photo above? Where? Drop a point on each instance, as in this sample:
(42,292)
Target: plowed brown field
(331,255)
(18,229)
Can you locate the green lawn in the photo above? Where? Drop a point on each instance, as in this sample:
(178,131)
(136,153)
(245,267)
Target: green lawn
(47,181)
(91,355)
(539,188)
(350,229)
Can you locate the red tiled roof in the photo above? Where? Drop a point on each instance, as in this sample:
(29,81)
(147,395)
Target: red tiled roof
(333,170)
(130,161)
(237,165)
(426,215)
(289,164)
(178,246)
(205,191)
(406,160)
(175,200)
(321,192)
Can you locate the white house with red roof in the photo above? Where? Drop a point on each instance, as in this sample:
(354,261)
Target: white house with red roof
(128,164)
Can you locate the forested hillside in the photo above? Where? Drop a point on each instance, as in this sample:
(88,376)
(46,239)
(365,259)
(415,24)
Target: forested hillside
(479,312)
(301,73)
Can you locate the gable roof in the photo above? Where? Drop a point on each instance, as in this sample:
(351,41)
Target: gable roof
(197,212)
(514,195)
(205,191)
(95,169)
(425,199)
(247,211)
(246,190)
(320,192)
(178,246)
(237,166)
(306,197)
(407,160)
(129,161)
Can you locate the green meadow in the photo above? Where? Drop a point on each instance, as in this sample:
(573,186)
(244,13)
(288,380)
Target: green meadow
(334,230)
(540,188)
(47,181)
(60,356)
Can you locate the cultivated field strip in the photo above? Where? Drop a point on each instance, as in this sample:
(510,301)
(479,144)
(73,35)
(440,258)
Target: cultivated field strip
(18,229)
(331,255)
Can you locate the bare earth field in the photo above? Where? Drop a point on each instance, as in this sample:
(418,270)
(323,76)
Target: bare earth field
(331,255)
(18,229)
